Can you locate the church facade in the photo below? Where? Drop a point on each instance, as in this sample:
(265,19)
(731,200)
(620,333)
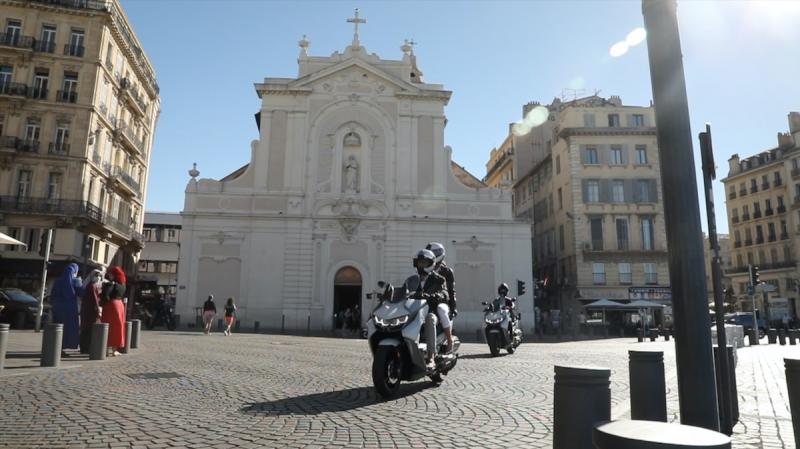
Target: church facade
(349,178)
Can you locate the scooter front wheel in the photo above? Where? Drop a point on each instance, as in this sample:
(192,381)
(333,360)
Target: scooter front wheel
(386,370)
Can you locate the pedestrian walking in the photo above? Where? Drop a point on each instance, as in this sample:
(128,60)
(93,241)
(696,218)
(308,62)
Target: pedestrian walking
(209,312)
(66,291)
(230,315)
(90,307)
(113,311)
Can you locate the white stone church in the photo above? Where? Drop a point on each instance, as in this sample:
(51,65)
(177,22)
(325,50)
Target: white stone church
(349,178)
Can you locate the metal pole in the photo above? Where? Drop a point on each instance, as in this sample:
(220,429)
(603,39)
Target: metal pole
(44,281)
(754,331)
(694,359)
(723,373)
(793,388)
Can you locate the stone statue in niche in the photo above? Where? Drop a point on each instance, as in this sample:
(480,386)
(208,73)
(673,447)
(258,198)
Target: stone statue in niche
(350,184)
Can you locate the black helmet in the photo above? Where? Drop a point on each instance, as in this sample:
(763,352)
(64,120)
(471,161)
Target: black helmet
(428,257)
(502,289)
(437,249)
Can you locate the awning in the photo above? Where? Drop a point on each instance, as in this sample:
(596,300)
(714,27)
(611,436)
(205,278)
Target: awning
(603,304)
(6,240)
(642,304)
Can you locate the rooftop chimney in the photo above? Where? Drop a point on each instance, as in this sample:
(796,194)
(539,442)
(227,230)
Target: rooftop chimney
(794,126)
(733,165)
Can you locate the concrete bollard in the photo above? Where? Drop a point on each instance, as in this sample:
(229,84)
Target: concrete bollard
(136,329)
(640,334)
(653,334)
(621,332)
(734,389)
(220,325)
(128,331)
(582,397)
(51,344)
(256,325)
(752,337)
(793,387)
(308,326)
(283,324)
(782,337)
(666,335)
(626,434)
(97,349)
(792,337)
(4,331)
(647,385)
(772,336)
(237,325)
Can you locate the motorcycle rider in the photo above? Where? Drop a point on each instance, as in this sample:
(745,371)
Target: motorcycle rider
(429,285)
(446,272)
(503,300)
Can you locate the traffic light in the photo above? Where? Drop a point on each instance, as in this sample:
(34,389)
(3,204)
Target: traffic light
(520,287)
(754,276)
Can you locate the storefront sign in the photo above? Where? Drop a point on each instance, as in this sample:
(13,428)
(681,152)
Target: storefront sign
(663,294)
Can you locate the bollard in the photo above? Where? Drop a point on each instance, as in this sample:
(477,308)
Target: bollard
(605,331)
(582,397)
(3,344)
(220,325)
(128,331)
(256,326)
(308,326)
(97,349)
(793,387)
(283,324)
(734,389)
(725,398)
(621,332)
(647,385)
(236,326)
(666,335)
(772,336)
(653,334)
(640,334)
(782,337)
(51,344)
(655,435)
(752,337)
(792,337)
(136,329)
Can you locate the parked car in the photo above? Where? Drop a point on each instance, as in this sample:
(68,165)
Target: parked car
(745,319)
(19,308)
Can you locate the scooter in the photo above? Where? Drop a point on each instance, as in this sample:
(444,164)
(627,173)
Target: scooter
(395,329)
(500,330)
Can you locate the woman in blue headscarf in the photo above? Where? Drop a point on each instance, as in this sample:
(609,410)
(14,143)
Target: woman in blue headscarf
(66,291)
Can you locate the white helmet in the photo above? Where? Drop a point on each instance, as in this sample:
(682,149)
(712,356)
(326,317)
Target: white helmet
(428,257)
(437,249)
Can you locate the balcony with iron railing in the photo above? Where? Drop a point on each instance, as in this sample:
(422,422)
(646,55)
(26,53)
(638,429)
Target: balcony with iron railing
(796,173)
(27,146)
(777,182)
(737,244)
(748,242)
(765,186)
(60,148)
(14,40)
(753,189)
(67,96)
(129,137)
(732,195)
(127,179)
(132,96)
(756,214)
(772,238)
(743,192)
(44,46)
(74,50)
(781,209)
(768,212)
(651,278)
(745,216)
(13,89)
(95,5)
(37,93)
(784,235)
(759,240)
(735,219)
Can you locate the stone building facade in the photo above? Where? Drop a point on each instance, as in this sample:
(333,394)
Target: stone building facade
(350,176)
(763,205)
(593,193)
(78,108)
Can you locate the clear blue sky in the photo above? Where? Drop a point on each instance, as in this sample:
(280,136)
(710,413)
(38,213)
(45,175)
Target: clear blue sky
(741,62)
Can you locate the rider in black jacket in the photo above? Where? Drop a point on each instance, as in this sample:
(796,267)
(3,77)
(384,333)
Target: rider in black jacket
(449,309)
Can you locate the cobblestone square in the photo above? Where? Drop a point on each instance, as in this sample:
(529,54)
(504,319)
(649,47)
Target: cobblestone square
(185,389)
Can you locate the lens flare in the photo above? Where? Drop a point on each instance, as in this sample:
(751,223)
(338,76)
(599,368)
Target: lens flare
(618,49)
(534,118)
(636,37)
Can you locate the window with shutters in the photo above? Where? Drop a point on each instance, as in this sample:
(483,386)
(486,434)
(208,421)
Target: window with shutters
(647,234)
(598,273)
(593,191)
(650,274)
(641,154)
(591,155)
(625,275)
(618,191)
(616,155)
(623,243)
(596,228)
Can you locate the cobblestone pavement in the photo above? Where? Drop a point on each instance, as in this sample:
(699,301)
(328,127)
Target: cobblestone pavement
(251,391)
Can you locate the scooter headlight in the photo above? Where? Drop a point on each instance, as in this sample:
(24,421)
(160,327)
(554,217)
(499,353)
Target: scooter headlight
(393,322)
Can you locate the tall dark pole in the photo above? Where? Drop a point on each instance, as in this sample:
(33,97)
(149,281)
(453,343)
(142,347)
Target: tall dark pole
(694,360)
(723,373)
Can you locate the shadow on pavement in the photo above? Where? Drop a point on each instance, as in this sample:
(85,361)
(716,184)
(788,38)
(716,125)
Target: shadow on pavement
(329,401)
(480,356)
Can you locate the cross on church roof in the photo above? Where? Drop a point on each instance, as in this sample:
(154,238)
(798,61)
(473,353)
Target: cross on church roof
(356,20)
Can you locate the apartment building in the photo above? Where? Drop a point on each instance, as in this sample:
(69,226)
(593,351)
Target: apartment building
(78,109)
(763,205)
(157,272)
(593,194)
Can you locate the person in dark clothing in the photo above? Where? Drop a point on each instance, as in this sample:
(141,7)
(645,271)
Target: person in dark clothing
(90,308)
(230,315)
(111,299)
(209,312)
(447,273)
(66,293)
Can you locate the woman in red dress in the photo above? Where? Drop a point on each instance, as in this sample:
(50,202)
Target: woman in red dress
(114,309)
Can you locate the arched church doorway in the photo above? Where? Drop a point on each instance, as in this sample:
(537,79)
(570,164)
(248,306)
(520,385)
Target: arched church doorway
(347,300)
